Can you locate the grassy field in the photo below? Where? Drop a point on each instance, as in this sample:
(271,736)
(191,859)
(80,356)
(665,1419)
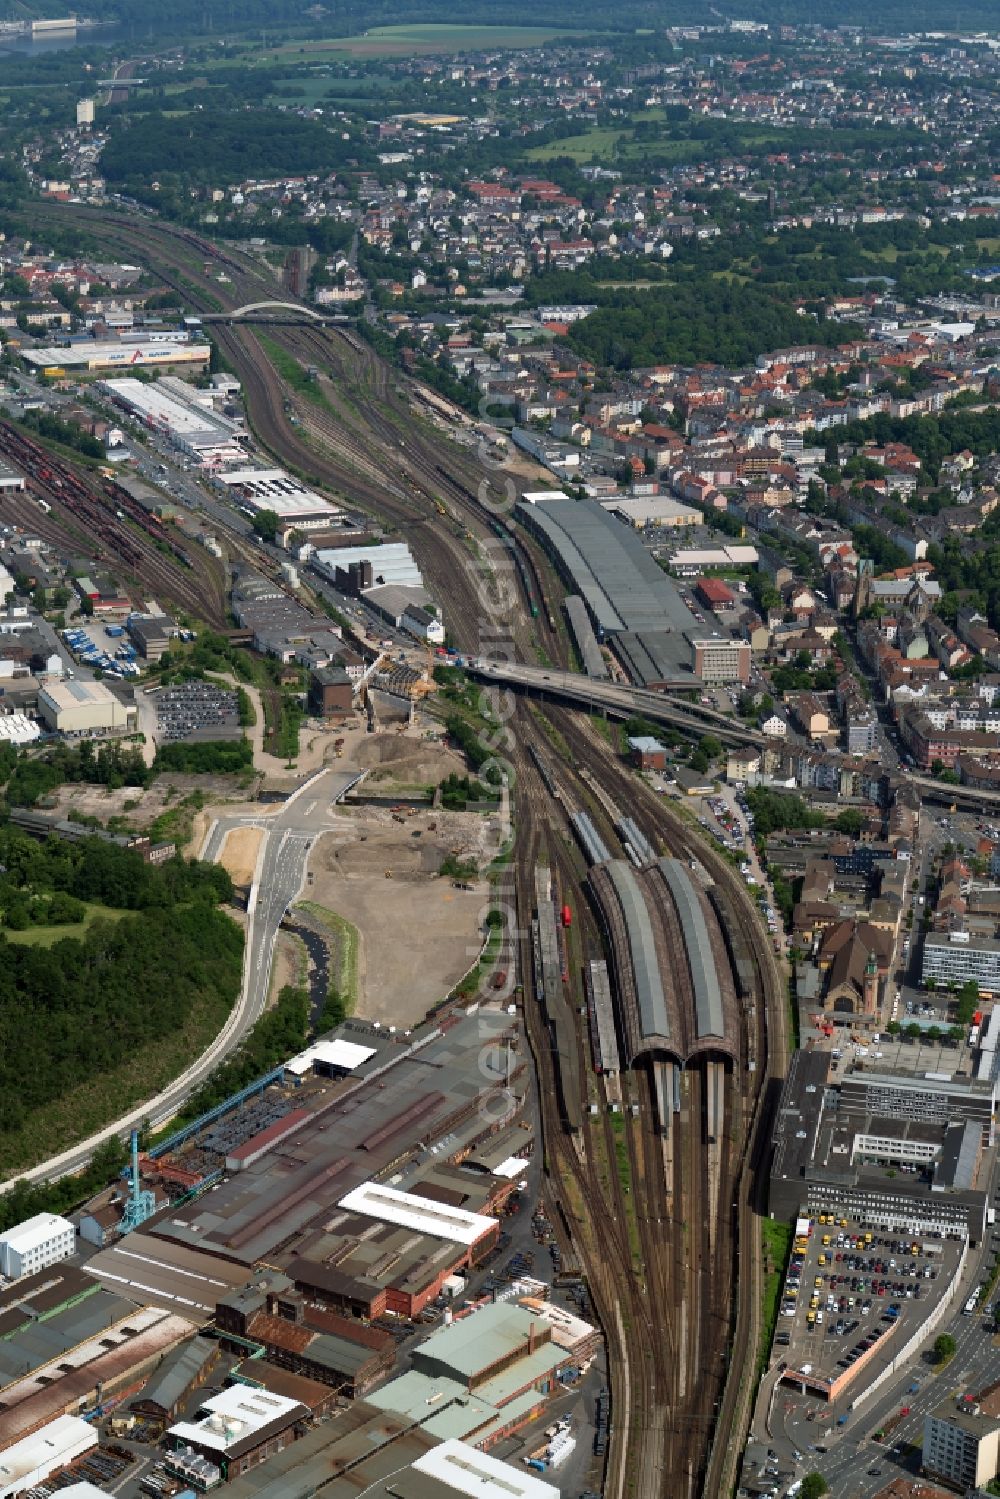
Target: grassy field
(610,143)
(601,142)
(406,41)
(292,373)
(105,1097)
(777,1243)
(45,936)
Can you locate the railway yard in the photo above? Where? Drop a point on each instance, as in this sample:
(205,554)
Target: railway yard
(652,1001)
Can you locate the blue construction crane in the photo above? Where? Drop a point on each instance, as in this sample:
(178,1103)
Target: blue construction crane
(140,1205)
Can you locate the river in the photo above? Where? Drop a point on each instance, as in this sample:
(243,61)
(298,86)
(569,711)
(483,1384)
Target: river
(58,41)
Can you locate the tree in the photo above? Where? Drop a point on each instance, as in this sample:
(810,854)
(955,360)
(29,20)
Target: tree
(944,1348)
(814,1486)
(968,1000)
(266,523)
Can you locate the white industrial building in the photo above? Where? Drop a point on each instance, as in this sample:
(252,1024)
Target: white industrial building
(654,510)
(33,1459)
(456,1468)
(336,1056)
(36,1243)
(424,625)
(257,489)
(110,356)
(82,708)
(16,728)
(421,1214)
(225,1424)
(392,563)
(10,479)
(695,559)
(172,409)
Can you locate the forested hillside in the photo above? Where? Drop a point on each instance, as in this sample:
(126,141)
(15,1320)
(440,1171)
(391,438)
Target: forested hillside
(221,147)
(82,1012)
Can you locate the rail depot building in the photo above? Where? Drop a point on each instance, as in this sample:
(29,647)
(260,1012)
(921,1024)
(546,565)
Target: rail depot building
(257,489)
(629,602)
(172,409)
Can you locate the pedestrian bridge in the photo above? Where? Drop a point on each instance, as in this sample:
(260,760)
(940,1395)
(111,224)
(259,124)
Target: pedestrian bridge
(273,312)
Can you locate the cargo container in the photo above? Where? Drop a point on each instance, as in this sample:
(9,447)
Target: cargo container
(561,1448)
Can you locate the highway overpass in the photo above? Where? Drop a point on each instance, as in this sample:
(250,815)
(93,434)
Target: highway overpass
(620,701)
(616,699)
(965,798)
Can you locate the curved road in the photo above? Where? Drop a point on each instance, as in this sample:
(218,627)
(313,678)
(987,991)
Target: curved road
(289,830)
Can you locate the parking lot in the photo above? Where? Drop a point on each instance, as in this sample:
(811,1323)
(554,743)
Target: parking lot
(196,709)
(853,1296)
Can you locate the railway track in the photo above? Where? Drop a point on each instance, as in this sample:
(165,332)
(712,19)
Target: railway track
(178,256)
(741,1193)
(661,1264)
(677,1289)
(68,505)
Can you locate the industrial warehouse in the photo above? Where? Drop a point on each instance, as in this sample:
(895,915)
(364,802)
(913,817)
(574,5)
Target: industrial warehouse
(281,1246)
(271,489)
(83,708)
(303,1190)
(173,409)
(629,601)
(106,356)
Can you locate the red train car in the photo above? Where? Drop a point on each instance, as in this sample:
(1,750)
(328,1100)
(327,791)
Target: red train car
(567,916)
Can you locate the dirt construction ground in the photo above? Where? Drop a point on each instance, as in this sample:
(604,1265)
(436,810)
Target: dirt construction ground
(404,760)
(239,853)
(418,933)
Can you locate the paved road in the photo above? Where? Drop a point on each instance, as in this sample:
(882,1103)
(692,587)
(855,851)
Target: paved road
(289,830)
(280,875)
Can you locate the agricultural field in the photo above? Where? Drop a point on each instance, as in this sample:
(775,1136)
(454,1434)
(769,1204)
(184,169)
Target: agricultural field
(407,41)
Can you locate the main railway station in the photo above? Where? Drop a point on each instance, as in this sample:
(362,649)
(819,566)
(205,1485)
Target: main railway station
(666,994)
(675,993)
